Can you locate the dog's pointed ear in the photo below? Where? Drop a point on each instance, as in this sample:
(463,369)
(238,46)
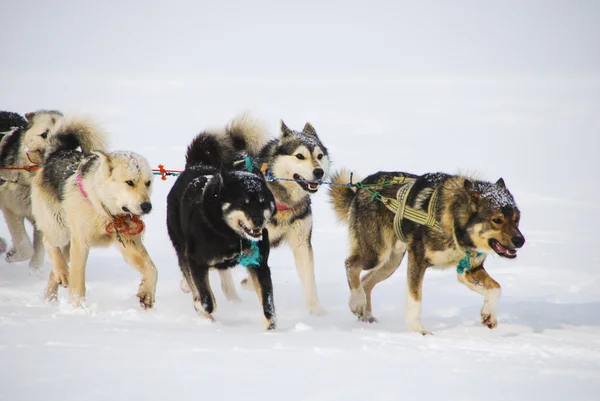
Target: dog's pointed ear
(29,116)
(309,129)
(106,161)
(470,188)
(285,131)
(501,183)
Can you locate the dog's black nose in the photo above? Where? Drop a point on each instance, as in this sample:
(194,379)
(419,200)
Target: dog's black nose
(518,241)
(146,207)
(257,221)
(318,173)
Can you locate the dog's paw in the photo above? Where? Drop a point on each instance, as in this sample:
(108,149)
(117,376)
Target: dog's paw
(51,294)
(2,246)
(62,277)
(358,303)
(146,298)
(368,319)
(417,327)
(184,285)
(202,312)
(317,310)
(18,255)
(489,321)
(270,324)
(35,263)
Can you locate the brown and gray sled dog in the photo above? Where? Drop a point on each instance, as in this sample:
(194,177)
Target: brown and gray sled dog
(88,198)
(470,216)
(22,147)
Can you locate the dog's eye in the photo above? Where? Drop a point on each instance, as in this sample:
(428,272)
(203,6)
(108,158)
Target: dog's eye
(497,220)
(148,183)
(320,156)
(129,182)
(300,156)
(44,135)
(246,201)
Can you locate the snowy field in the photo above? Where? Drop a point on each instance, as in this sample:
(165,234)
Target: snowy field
(508,91)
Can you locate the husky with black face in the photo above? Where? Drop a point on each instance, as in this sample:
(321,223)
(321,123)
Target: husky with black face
(471,217)
(217,216)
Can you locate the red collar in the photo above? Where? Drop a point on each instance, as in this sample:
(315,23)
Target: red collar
(281,207)
(79,181)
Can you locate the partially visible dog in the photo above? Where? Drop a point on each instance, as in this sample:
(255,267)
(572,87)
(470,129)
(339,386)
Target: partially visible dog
(217,215)
(471,216)
(9,122)
(295,155)
(20,149)
(88,198)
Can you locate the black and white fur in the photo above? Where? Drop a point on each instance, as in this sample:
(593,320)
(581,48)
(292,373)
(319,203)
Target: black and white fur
(215,212)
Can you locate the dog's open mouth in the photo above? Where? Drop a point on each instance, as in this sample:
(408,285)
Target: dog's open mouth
(309,186)
(253,234)
(502,250)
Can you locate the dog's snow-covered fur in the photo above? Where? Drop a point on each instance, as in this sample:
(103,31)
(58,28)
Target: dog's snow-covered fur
(19,148)
(215,212)
(295,155)
(473,216)
(74,198)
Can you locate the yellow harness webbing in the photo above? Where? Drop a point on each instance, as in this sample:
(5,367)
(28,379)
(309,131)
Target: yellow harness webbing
(402,211)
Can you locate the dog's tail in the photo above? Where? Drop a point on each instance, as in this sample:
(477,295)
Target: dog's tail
(218,148)
(76,133)
(342,195)
(247,135)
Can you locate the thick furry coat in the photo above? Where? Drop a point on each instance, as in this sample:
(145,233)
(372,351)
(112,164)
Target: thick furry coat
(83,197)
(215,214)
(474,216)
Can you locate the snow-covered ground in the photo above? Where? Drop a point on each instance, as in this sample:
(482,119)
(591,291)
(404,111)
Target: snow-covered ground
(511,91)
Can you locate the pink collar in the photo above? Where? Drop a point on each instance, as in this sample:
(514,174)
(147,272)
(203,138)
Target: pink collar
(79,181)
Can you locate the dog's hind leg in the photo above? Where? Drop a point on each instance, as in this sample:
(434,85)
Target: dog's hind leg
(59,272)
(261,278)
(37,259)
(135,254)
(375,276)
(228,286)
(478,280)
(414,282)
(22,249)
(204,299)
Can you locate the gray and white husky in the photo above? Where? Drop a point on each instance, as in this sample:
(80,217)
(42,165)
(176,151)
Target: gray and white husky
(20,148)
(294,155)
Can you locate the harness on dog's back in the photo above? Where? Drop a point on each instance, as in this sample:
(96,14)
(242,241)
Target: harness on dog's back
(400,209)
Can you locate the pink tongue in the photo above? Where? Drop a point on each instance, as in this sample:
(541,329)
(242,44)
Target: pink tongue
(501,248)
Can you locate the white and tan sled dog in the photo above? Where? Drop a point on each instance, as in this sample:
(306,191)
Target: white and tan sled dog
(86,197)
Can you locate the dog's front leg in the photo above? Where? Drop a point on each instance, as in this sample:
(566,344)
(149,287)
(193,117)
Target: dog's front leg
(261,279)
(299,240)
(22,249)
(478,280)
(204,300)
(37,259)
(414,293)
(135,254)
(79,254)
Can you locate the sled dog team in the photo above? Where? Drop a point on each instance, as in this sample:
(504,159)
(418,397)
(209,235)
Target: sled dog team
(225,209)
